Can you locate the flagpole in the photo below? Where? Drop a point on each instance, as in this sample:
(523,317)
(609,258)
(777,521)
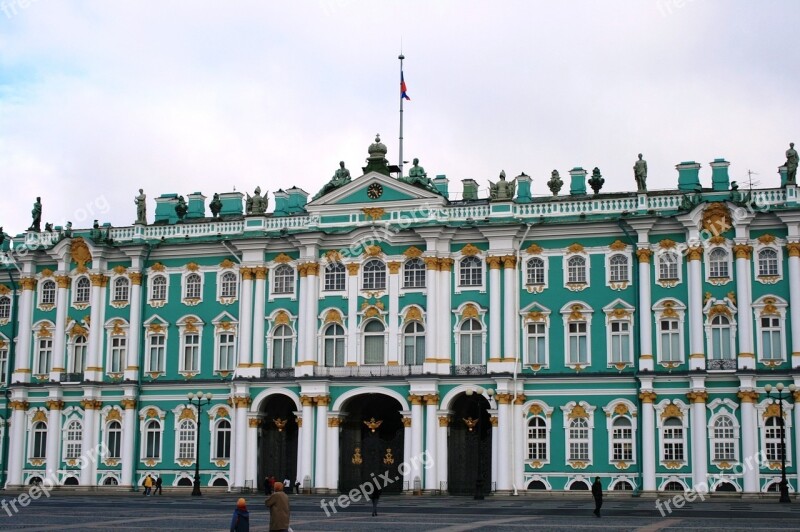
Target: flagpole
(400,164)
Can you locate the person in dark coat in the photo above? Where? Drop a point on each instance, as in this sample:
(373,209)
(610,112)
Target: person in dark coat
(241,517)
(158,486)
(375,497)
(597,493)
(279,513)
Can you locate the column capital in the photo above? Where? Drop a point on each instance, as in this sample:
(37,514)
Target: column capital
(694,253)
(503,398)
(27,283)
(128,404)
(697,397)
(648,397)
(748,396)
(407,422)
(306,400)
(793,248)
(431,399)
(444,421)
(322,400)
(394,267)
(352,268)
(253,422)
(98,279)
(432,263)
(416,399)
(299,422)
(509,261)
(446,264)
(91,404)
(334,421)
(494,262)
(63,281)
(520,399)
(241,401)
(493,421)
(743,251)
(644,254)
(260,272)
(136,278)
(19,405)
(54,404)
(246,273)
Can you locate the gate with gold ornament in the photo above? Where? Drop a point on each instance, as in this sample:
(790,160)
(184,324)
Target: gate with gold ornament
(469,446)
(277,440)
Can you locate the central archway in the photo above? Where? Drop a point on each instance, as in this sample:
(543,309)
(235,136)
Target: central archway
(370,441)
(469,446)
(277,446)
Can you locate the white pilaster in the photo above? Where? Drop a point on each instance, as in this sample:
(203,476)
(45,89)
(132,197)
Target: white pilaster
(303,353)
(699,432)
(259,318)
(128,433)
(748,398)
(646,359)
(794,299)
(496,431)
(333,450)
(495,310)
(321,459)
(311,313)
(518,443)
(416,431)
(94,350)
(431,433)
(135,331)
(503,442)
(240,441)
(431,316)
(697,357)
(351,348)
(510,312)
(252,451)
(53,433)
(393,358)
(744,300)
(23,361)
(88,439)
(444,337)
(17,438)
(306,437)
(245,322)
(648,397)
(440,458)
(61,329)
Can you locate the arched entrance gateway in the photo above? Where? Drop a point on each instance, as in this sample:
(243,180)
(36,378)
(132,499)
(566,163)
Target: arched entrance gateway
(469,446)
(370,441)
(277,440)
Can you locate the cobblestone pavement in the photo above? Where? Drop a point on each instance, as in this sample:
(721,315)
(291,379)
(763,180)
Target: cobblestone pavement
(178,512)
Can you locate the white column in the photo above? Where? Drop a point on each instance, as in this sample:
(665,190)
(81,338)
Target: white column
(17,439)
(794,299)
(94,356)
(431,329)
(496,431)
(416,432)
(431,433)
(321,460)
(333,450)
(252,452)
(699,438)
(88,441)
(351,349)
(394,309)
(749,436)
(440,458)
(303,354)
(245,320)
(306,437)
(518,441)
(62,281)
(23,362)
(240,441)
(128,434)
(258,318)
(646,361)
(135,331)
(53,435)
(495,310)
(648,441)
(503,442)
(697,357)
(312,311)
(744,300)
(445,335)
(796,411)
(510,311)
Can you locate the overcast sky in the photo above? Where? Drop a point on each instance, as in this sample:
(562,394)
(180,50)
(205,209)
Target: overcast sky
(100,98)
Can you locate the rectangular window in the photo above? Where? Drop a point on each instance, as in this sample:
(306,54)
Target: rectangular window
(191,352)
(45,355)
(114,443)
(118,350)
(670,340)
(578,343)
(156,358)
(536,343)
(334,352)
(620,342)
(334,277)
(771,346)
(673,444)
(414,349)
(226,352)
(623,444)
(3,366)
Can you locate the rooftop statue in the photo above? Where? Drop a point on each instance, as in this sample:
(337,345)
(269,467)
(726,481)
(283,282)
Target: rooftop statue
(555,183)
(340,178)
(502,190)
(640,173)
(257,204)
(791,164)
(181,208)
(36,214)
(141,207)
(418,177)
(215,205)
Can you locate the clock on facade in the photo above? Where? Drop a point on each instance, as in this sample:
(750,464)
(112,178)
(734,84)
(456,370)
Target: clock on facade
(374,191)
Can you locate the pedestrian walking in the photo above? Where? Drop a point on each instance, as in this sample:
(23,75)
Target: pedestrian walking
(158,486)
(271,485)
(278,504)
(287,486)
(375,497)
(148,485)
(297,487)
(240,522)
(597,493)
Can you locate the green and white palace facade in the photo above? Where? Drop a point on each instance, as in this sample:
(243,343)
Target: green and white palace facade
(508,343)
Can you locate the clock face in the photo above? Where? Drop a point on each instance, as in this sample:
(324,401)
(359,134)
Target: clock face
(374,191)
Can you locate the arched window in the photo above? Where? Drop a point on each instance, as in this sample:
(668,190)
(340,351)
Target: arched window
(674,486)
(576,270)
(110,481)
(282,347)
(48,293)
(767,262)
(670,337)
(222,447)
(772,439)
(114,440)
(374,335)
(227,351)
(159,288)
(724,439)
(193,285)
(186,439)
(668,266)
(718,263)
(39,440)
(537,439)
(537,485)
(470,271)
(5,308)
(77,362)
(623,485)
(228,285)
(283,280)
(334,277)
(535,271)
(673,440)
(414,273)
(72,440)
(721,338)
(334,345)
(414,344)
(152,439)
(121,289)
(622,439)
(374,275)
(619,268)
(579,439)
(470,342)
(83,289)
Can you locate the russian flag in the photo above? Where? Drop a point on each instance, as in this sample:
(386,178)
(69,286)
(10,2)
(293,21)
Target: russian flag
(403,87)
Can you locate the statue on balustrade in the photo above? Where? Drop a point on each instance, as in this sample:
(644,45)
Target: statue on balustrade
(181,208)
(502,190)
(256,204)
(36,214)
(340,178)
(141,207)
(215,205)
(791,164)
(640,173)
(418,177)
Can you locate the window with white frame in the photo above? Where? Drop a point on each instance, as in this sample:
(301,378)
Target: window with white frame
(333,340)
(229,285)
(578,440)
(618,268)
(152,440)
(116,358)
(282,347)
(121,289)
(772,439)
(190,361)
(72,440)
(672,440)
(721,339)
(155,353)
(668,266)
(114,440)
(414,273)
(158,288)
(622,439)
(578,342)
(470,271)
(283,279)
(226,351)
(620,338)
(3,364)
(186,439)
(374,275)
(771,342)
(471,342)
(335,276)
(768,263)
(38,447)
(670,340)
(718,263)
(535,269)
(576,270)
(537,439)
(47,295)
(222,440)
(374,337)
(77,358)
(536,338)
(5,308)
(723,440)
(414,344)
(83,290)
(44,355)
(193,286)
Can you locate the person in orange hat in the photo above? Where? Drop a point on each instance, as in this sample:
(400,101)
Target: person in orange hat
(241,517)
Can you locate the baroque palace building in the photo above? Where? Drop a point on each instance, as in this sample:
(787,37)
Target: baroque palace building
(508,343)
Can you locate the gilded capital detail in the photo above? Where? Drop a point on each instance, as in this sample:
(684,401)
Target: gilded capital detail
(743,251)
(493,262)
(694,253)
(748,396)
(648,397)
(697,397)
(128,404)
(644,254)
(793,248)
